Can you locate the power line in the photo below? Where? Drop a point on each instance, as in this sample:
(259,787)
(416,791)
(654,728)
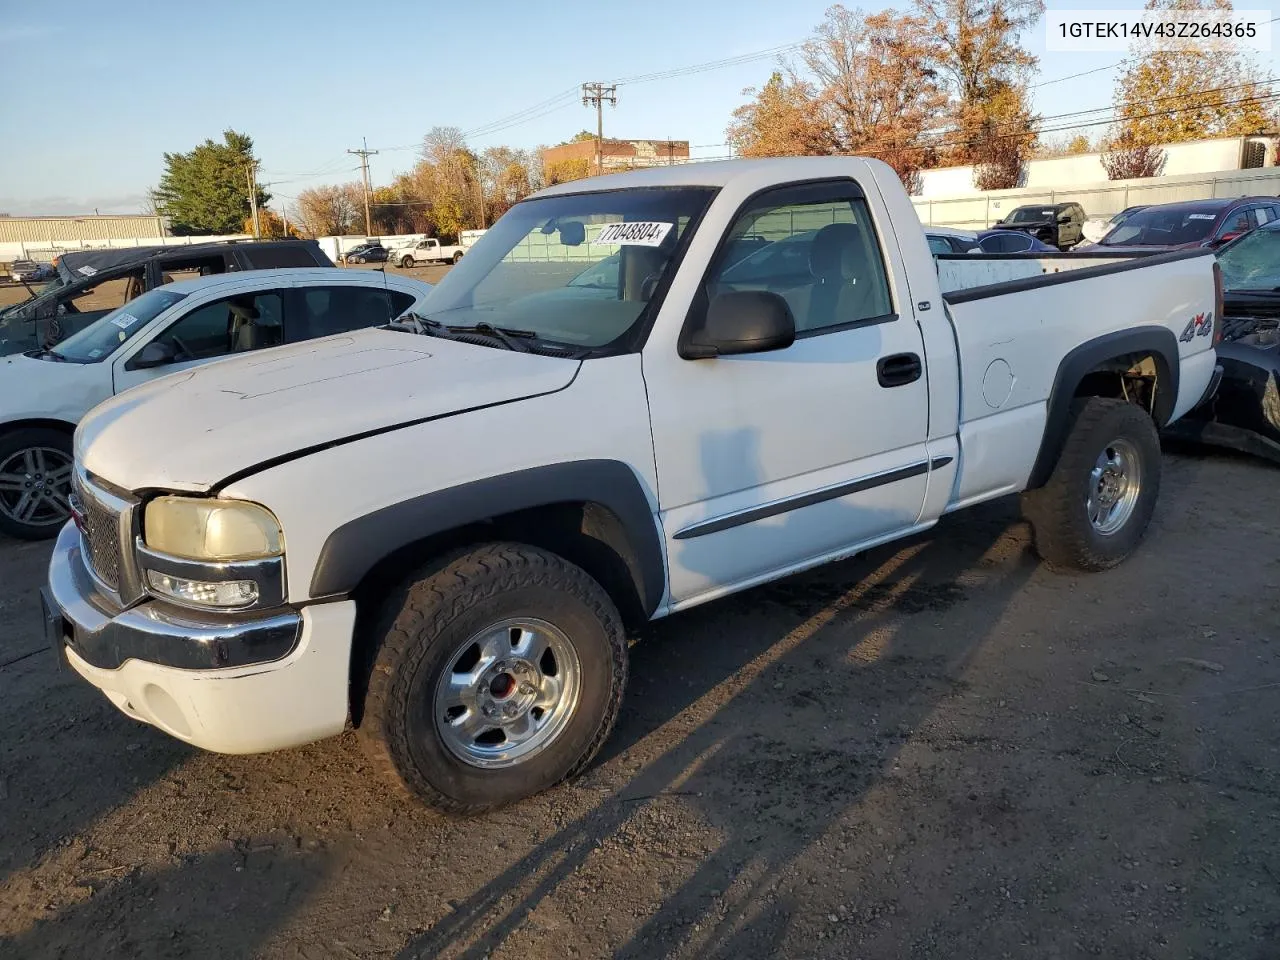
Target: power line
(712,64)
(596,95)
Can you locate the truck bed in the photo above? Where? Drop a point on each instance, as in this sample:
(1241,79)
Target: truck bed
(1012,335)
(968,271)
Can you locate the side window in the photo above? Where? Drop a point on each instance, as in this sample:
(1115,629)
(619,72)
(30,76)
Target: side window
(323,311)
(248,321)
(104,297)
(822,256)
(1262,215)
(1237,222)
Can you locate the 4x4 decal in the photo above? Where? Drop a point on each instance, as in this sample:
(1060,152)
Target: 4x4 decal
(1201,325)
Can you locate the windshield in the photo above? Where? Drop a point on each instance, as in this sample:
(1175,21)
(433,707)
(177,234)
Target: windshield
(1252,262)
(1031,214)
(1161,227)
(103,337)
(576,269)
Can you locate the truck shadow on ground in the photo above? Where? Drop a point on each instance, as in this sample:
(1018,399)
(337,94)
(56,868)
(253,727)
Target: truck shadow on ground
(802,724)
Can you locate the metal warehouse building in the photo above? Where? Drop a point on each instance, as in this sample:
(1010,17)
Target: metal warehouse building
(79,229)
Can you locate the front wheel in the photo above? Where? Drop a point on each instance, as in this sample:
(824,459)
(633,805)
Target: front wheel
(498,674)
(1098,502)
(406,262)
(35,482)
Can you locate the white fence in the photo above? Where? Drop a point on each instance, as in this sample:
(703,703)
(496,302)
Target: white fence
(977,212)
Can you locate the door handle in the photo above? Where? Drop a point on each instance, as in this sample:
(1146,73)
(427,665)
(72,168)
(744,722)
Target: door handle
(899,369)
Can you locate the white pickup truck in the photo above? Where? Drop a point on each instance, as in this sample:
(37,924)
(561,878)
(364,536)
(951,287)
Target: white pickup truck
(426,251)
(440,531)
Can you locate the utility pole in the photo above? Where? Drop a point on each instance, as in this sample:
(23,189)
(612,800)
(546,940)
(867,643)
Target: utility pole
(251,177)
(364,154)
(595,94)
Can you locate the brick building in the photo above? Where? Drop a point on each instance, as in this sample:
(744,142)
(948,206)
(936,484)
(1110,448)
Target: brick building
(617,155)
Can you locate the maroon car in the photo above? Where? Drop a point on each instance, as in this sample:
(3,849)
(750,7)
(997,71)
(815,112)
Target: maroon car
(1192,223)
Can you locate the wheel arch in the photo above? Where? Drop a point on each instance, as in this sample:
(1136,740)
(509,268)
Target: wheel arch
(594,513)
(29,423)
(1091,369)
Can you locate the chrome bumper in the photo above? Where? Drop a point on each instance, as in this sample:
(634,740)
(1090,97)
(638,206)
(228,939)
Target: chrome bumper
(80,615)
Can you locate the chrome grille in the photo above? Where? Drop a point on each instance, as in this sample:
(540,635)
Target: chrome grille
(100,531)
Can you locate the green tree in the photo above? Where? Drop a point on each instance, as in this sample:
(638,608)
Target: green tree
(206,191)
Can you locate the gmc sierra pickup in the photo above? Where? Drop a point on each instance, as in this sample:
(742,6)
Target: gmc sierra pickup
(438,531)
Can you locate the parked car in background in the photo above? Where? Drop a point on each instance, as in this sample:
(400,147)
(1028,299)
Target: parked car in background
(175,327)
(372,252)
(1095,228)
(444,528)
(1244,412)
(1009,241)
(1057,224)
(1191,223)
(30,271)
(944,240)
(427,251)
(91,283)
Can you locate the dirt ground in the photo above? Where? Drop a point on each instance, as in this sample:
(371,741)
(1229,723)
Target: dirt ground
(940,749)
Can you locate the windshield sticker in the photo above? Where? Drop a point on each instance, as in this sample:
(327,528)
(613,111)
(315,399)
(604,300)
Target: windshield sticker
(638,233)
(1202,216)
(124,320)
(88,271)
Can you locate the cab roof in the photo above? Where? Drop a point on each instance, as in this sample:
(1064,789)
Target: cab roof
(717,173)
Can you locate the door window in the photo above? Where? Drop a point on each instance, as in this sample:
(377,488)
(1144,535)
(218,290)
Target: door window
(822,257)
(248,321)
(323,311)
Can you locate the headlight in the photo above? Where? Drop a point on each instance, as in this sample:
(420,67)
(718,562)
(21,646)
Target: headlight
(218,530)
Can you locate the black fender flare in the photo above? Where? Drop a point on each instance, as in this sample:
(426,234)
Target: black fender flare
(1159,342)
(354,548)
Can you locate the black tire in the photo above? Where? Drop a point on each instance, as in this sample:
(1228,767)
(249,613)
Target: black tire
(45,522)
(457,256)
(1065,536)
(406,263)
(423,626)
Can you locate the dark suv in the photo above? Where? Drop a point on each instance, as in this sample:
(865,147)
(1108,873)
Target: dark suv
(91,283)
(1060,225)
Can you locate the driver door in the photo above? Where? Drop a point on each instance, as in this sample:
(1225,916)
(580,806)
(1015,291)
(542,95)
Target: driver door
(210,330)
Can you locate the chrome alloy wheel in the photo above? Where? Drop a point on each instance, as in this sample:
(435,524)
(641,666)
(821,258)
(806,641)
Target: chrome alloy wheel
(1114,486)
(507,693)
(34,486)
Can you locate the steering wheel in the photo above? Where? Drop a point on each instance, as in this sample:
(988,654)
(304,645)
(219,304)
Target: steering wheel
(180,349)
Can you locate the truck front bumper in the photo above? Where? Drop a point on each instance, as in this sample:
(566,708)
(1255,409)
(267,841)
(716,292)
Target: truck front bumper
(245,684)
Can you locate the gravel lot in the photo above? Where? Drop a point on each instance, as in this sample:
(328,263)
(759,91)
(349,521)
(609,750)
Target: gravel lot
(939,749)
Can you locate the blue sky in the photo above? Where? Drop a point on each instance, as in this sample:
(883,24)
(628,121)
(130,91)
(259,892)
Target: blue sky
(119,84)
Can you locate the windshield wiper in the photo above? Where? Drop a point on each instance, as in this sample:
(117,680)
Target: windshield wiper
(506,336)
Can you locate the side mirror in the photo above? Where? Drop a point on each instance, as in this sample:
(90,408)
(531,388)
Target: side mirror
(154,354)
(744,321)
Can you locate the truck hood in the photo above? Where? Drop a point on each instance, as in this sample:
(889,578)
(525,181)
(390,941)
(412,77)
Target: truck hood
(192,430)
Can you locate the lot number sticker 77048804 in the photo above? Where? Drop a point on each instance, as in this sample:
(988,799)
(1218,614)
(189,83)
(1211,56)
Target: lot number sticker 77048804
(639,233)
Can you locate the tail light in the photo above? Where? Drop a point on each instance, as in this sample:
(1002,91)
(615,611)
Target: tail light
(1219,304)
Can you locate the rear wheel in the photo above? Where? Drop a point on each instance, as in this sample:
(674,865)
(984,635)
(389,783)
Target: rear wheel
(498,674)
(35,482)
(1099,500)
(457,256)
